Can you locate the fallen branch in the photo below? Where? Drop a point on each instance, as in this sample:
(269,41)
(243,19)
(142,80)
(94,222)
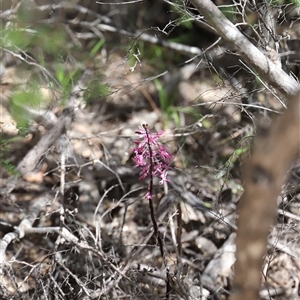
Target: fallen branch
(32,158)
(21,230)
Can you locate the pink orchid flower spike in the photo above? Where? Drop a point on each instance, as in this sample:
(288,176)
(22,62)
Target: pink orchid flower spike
(151,157)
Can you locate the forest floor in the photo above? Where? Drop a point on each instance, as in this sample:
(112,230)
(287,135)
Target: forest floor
(78,225)
(105,205)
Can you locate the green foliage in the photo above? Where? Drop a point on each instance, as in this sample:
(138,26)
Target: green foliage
(4,162)
(48,58)
(169,111)
(296,2)
(154,55)
(163,97)
(185,38)
(15,38)
(184,20)
(96,48)
(10,168)
(20,102)
(281,2)
(228,11)
(95,89)
(206,123)
(229,164)
(66,79)
(38,45)
(48,41)
(47,44)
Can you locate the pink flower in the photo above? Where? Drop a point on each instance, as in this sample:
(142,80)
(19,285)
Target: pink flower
(164,154)
(139,159)
(164,178)
(148,195)
(147,136)
(150,156)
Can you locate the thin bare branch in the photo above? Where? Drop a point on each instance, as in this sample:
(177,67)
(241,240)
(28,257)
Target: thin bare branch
(271,72)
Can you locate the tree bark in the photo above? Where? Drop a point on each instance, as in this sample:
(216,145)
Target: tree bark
(264,173)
